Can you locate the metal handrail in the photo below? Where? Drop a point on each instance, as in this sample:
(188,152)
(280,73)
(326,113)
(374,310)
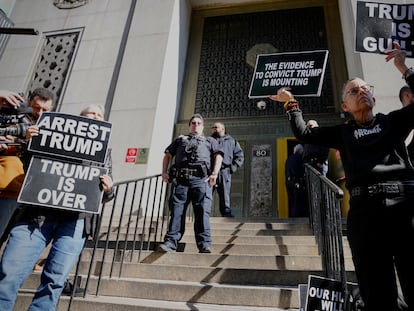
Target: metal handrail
(144,201)
(139,206)
(325,216)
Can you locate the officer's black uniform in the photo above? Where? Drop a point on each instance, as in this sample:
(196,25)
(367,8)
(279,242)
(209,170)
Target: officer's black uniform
(193,161)
(232,160)
(295,186)
(380,179)
(316,156)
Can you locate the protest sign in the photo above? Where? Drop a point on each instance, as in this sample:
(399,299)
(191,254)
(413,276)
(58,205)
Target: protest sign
(63,185)
(72,137)
(302,72)
(325,294)
(379,24)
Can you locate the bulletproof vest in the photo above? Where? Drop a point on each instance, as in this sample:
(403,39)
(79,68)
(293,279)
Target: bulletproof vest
(193,149)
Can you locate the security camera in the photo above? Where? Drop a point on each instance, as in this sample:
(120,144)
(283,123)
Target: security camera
(261,105)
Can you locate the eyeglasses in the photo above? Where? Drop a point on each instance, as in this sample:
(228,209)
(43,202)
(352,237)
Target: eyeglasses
(355,90)
(196,123)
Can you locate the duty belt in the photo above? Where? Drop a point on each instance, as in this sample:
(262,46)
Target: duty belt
(185,173)
(384,189)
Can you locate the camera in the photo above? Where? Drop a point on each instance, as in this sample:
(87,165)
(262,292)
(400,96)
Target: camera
(261,105)
(15,121)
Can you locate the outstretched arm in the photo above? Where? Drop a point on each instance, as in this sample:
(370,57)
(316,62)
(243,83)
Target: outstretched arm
(399,58)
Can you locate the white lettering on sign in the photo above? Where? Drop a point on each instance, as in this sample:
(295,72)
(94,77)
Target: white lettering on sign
(69,143)
(64,199)
(69,170)
(75,127)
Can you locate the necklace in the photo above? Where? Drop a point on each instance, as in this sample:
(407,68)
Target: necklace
(367,124)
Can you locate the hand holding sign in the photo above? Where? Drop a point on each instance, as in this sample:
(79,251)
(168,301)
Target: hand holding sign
(106,182)
(283,95)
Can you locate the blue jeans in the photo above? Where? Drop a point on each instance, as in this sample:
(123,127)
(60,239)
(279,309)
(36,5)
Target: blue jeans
(26,243)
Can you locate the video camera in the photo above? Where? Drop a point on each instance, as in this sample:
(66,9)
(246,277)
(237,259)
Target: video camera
(15,121)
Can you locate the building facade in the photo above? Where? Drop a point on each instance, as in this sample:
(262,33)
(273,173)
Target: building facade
(153,63)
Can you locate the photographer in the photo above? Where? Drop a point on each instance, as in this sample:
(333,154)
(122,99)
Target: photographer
(38,226)
(11,167)
(10,99)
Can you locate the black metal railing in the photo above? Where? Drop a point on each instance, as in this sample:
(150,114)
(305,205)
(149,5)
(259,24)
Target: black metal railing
(136,220)
(326,221)
(133,222)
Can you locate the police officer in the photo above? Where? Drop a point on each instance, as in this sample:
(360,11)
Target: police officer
(197,163)
(233,159)
(295,183)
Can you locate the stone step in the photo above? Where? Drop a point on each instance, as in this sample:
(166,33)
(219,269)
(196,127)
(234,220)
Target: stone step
(236,225)
(243,261)
(114,234)
(222,248)
(198,291)
(254,265)
(111,303)
(233,276)
(235,239)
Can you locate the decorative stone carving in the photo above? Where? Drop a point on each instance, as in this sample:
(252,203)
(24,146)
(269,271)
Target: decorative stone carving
(69,4)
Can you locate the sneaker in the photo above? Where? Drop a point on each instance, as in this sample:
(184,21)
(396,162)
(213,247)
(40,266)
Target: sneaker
(67,290)
(205,250)
(166,248)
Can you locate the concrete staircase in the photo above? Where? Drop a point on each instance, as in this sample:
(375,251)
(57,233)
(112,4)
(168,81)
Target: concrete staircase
(254,265)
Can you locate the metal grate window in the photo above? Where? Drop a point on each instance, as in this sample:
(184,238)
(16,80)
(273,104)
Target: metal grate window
(55,62)
(229,43)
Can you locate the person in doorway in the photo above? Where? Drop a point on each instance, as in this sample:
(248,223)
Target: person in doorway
(316,156)
(197,161)
(35,228)
(233,159)
(295,183)
(379,177)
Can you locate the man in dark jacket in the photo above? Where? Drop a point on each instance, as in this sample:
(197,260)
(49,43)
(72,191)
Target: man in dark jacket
(295,183)
(232,160)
